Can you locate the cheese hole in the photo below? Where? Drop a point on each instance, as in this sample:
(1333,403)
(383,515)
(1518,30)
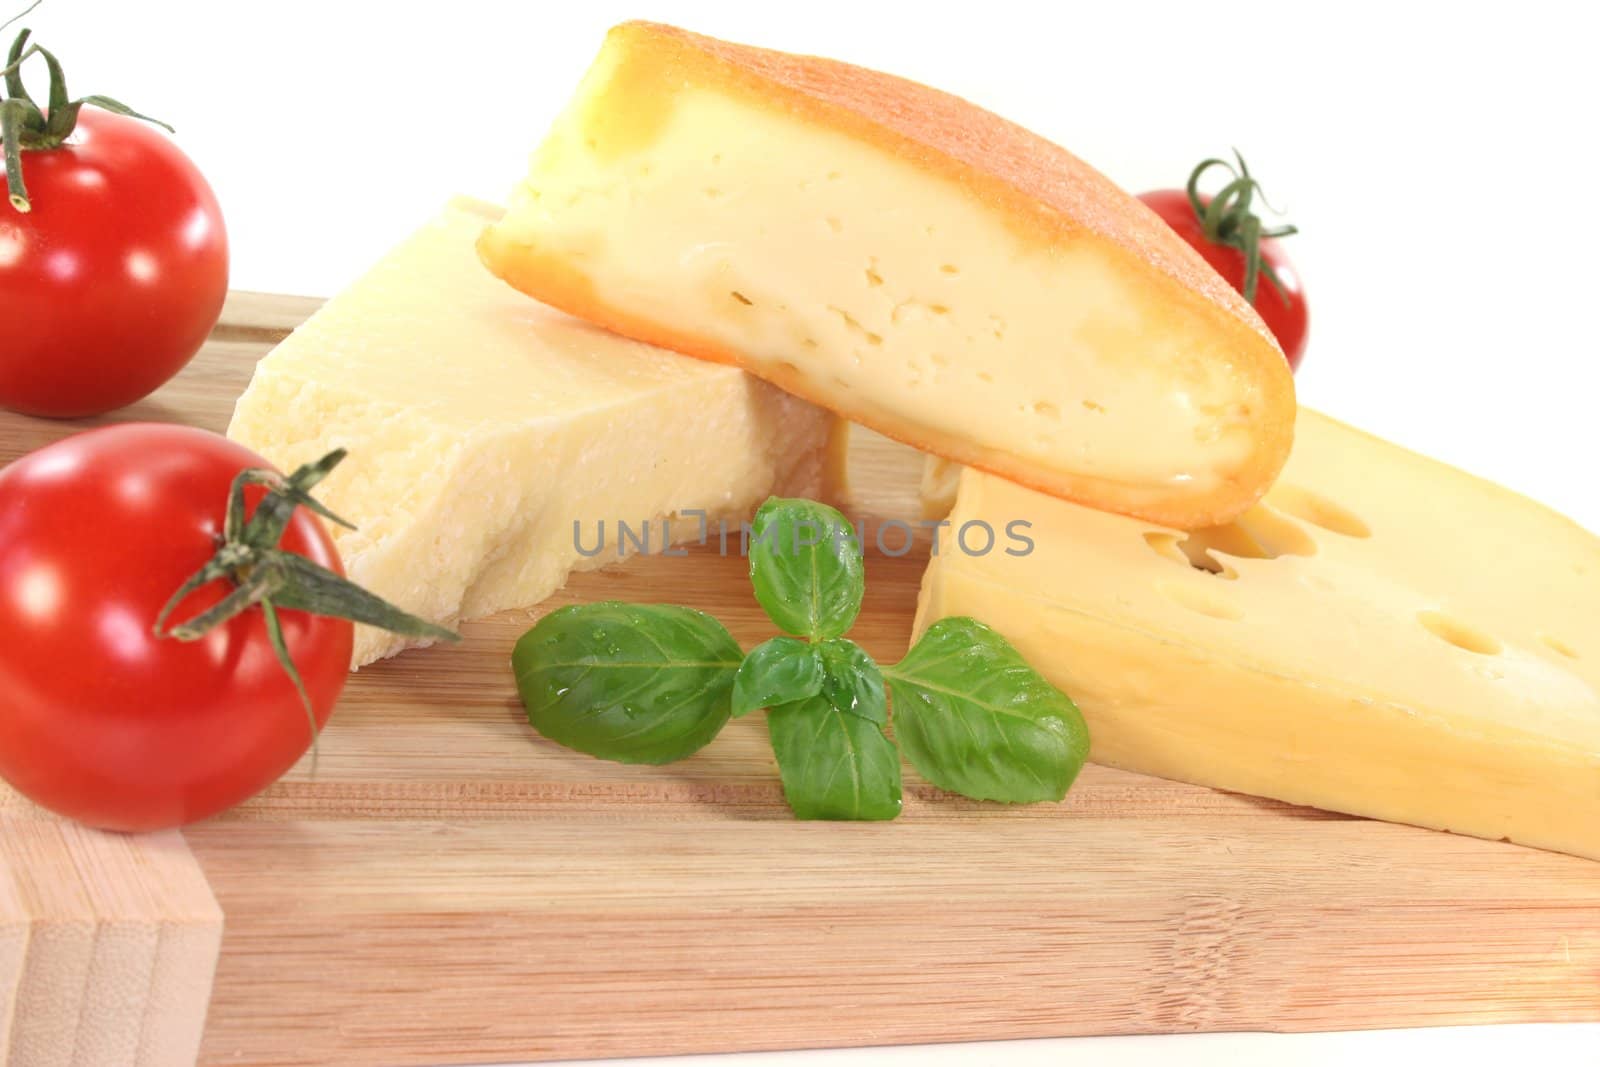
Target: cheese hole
(834,224)
(1207,601)
(1318,511)
(1259,533)
(855,326)
(1185,552)
(1458,633)
(874,279)
(741,298)
(1045,409)
(1558,646)
(985,376)
(1094,408)
(950,268)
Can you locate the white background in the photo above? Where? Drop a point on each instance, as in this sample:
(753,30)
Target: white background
(1439,158)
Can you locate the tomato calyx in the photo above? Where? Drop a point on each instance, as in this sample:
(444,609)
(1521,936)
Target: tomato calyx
(267,577)
(1228,220)
(24,126)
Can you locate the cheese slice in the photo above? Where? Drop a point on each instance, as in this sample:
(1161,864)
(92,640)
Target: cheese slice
(1383,635)
(489,436)
(908,260)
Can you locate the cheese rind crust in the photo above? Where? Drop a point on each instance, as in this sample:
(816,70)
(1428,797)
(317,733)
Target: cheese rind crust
(1383,635)
(908,260)
(484,427)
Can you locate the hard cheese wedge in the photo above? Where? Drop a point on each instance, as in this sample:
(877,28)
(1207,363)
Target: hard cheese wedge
(908,260)
(483,427)
(1384,635)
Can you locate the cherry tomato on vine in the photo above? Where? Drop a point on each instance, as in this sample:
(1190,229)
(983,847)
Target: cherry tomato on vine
(100,719)
(113,254)
(1231,238)
(164,597)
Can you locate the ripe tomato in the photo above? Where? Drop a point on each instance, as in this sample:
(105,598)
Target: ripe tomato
(113,279)
(101,720)
(1283,311)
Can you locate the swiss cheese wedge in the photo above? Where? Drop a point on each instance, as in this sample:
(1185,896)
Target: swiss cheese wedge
(908,260)
(1383,635)
(491,437)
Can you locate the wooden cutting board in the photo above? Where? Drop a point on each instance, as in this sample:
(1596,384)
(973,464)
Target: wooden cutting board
(451,888)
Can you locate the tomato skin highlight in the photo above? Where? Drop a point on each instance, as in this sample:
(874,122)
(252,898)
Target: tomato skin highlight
(102,721)
(1284,313)
(113,280)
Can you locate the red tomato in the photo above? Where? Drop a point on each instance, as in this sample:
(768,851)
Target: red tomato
(1283,312)
(110,284)
(101,720)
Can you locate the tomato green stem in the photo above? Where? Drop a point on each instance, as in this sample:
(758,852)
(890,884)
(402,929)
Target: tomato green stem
(264,575)
(1228,220)
(20,15)
(27,127)
(11,120)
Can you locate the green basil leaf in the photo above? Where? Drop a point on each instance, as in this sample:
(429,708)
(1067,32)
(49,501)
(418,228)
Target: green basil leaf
(851,682)
(975,719)
(779,671)
(805,564)
(834,765)
(635,683)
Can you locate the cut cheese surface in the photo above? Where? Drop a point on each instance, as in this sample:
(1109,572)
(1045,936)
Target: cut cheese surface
(908,260)
(486,430)
(1383,635)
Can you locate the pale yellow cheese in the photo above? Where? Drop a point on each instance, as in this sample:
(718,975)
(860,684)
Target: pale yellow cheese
(907,260)
(482,426)
(1384,635)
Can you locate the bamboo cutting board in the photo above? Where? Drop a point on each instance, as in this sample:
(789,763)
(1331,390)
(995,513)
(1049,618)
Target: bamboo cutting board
(450,888)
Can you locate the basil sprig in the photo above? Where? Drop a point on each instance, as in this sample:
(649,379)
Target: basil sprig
(655,683)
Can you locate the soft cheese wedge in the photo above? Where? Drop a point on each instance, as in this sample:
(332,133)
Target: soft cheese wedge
(483,428)
(908,260)
(1383,635)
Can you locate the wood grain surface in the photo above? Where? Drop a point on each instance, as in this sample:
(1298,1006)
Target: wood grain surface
(451,888)
(108,945)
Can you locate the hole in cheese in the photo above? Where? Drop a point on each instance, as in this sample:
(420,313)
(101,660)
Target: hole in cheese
(1462,635)
(1186,551)
(745,300)
(1259,533)
(1318,511)
(1558,646)
(1205,601)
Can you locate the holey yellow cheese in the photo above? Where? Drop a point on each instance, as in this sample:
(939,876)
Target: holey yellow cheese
(1383,635)
(482,426)
(908,260)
